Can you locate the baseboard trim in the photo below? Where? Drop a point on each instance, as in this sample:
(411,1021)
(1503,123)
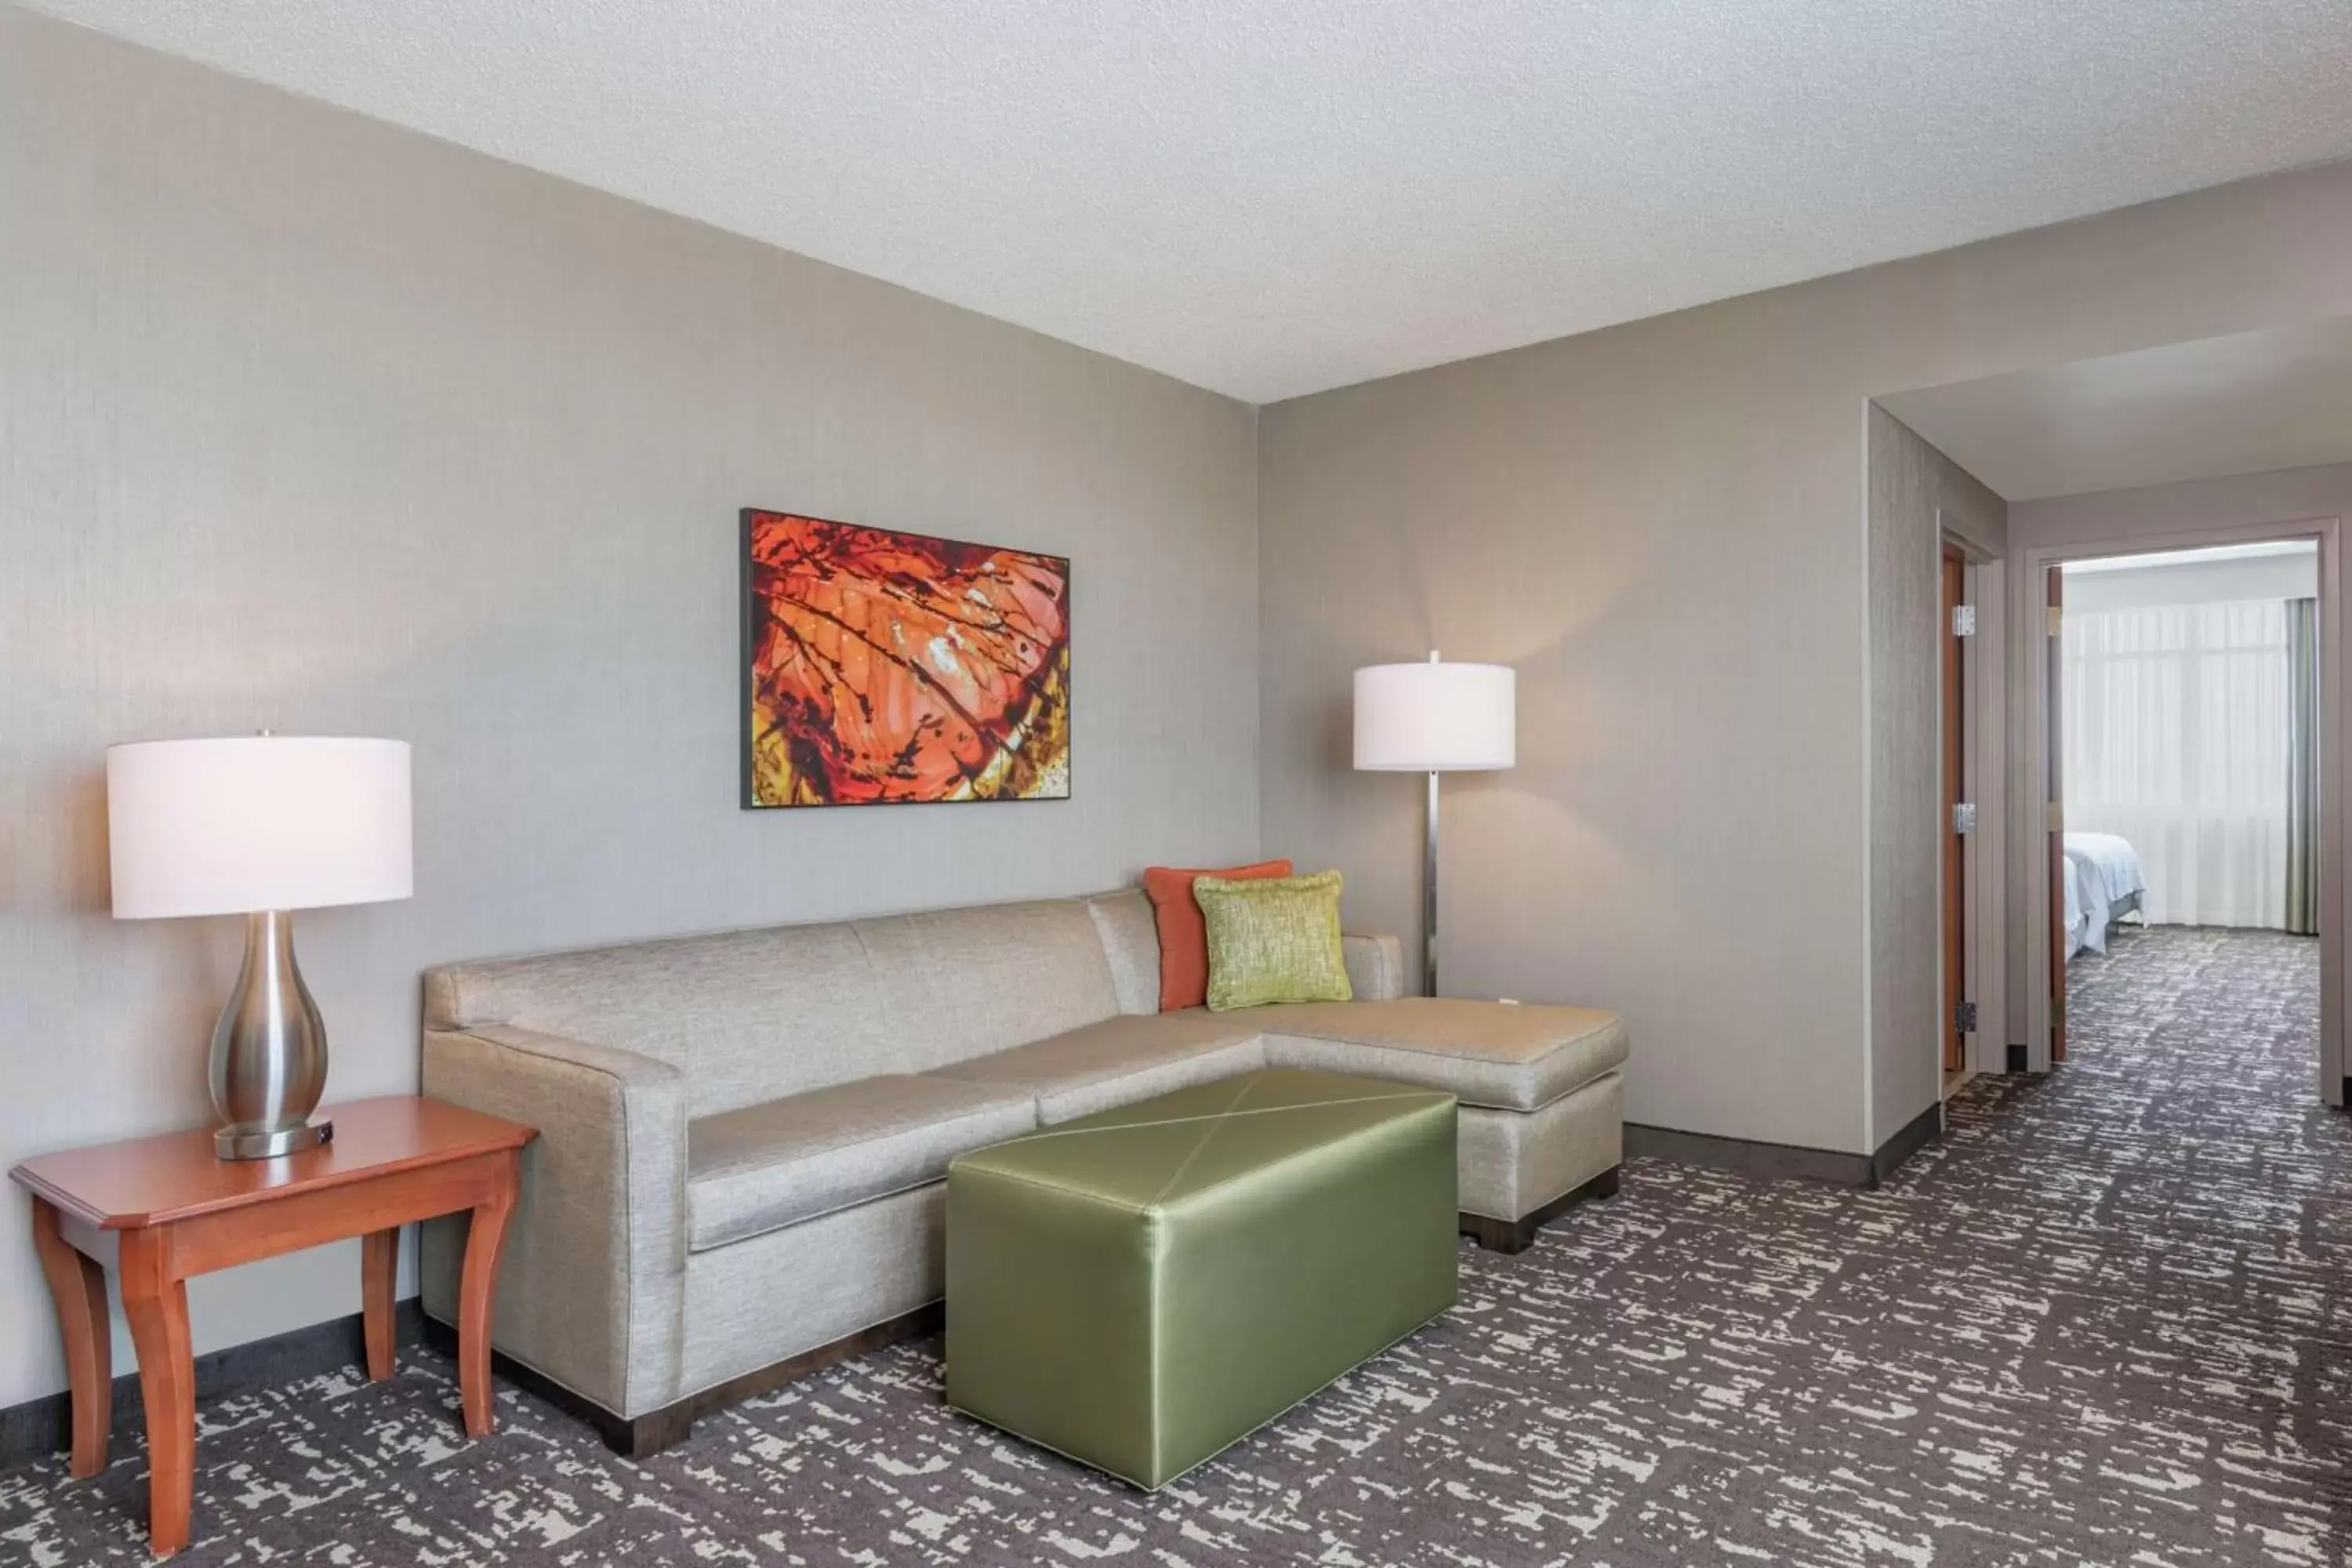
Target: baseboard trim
(642,1437)
(1748,1156)
(1773,1162)
(1922,1129)
(39,1427)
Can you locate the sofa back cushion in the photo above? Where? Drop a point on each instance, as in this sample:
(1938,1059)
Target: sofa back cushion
(962,982)
(1130,938)
(752,1015)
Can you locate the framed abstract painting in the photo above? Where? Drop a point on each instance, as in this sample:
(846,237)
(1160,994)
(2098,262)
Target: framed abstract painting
(882,668)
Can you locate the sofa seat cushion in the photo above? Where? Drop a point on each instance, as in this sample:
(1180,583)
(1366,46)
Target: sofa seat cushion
(1491,1054)
(777,1164)
(1116,1061)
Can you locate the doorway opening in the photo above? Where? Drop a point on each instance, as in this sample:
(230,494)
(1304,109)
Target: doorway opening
(2186,859)
(2230,443)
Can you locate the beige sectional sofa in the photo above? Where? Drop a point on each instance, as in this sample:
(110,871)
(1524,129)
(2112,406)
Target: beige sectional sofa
(743,1136)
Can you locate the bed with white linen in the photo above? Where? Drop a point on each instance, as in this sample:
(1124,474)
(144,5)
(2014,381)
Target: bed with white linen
(2070,888)
(2103,883)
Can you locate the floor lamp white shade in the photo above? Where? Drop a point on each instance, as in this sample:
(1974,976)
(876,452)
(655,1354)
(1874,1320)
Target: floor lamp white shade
(1435,718)
(260,826)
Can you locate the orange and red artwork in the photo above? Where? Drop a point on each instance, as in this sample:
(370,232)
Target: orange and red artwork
(883,666)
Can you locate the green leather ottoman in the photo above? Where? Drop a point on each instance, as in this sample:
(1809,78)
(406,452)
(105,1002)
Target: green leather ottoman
(1139,1288)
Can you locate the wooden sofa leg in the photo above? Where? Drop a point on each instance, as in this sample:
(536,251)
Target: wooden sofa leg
(639,1437)
(642,1437)
(632,1437)
(1503,1236)
(647,1434)
(1510,1237)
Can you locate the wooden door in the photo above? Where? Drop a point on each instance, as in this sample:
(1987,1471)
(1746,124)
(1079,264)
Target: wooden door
(1954,794)
(2053,811)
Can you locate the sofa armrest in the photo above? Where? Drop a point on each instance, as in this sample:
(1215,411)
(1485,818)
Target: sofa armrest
(592,1288)
(1375,967)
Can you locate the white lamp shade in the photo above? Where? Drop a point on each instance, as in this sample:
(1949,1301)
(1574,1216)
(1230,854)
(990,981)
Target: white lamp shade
(1437,718)
(263,822)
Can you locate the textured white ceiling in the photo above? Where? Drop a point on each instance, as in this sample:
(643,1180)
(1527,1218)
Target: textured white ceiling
(2251,402)
(1269,197)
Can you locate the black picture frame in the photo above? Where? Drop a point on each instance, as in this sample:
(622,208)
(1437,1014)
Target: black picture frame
(749,609)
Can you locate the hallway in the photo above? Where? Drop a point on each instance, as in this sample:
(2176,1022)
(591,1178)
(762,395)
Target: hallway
(2192,1058)
(2177,1222)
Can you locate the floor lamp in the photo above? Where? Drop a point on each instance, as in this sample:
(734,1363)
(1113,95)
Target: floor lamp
(1434,718)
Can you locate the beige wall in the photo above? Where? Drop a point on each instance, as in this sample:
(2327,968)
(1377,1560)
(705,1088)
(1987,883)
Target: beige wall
(1917,495)
(1665,526)
(2154,511)
(310,423)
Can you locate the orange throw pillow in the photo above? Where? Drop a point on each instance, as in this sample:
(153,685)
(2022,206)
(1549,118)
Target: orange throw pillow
(1183,934)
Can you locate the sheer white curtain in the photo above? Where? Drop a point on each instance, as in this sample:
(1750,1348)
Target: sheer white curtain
(2176,726)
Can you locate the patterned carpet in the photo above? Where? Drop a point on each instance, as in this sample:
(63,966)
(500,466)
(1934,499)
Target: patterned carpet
(2108,1320)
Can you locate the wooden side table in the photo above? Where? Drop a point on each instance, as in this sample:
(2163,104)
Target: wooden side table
(164,1209)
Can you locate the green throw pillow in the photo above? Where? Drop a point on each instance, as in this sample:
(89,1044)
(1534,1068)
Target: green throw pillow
(1273,939)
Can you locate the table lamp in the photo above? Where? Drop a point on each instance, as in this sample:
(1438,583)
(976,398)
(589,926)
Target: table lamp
(1434,718)
(260,826)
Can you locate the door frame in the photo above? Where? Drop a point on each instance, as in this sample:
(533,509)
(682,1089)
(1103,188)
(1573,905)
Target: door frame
(2031,647)
(1956,721)
(1984,697)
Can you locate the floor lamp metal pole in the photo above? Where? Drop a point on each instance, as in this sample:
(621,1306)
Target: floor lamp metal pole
(1433,719)
(1429,896)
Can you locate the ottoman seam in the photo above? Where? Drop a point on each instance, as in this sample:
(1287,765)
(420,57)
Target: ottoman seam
(1068,1192)
(1207,1132)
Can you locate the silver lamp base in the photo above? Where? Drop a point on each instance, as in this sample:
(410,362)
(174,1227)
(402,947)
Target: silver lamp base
(268,1063)
(233,1146)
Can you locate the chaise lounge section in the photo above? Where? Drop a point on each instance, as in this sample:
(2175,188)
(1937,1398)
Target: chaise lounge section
(743,1136)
